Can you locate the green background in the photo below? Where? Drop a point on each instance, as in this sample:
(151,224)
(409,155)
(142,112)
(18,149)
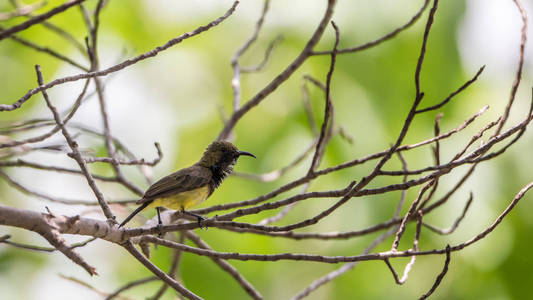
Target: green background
(175,98)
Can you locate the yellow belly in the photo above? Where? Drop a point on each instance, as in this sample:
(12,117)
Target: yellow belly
(183,201)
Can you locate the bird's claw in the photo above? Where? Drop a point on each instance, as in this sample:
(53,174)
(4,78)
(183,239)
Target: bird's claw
(200,220)
(160,233)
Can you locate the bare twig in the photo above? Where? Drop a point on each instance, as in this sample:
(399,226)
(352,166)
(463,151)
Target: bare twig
(366,180)
(518,77)
(325,171)
(454,226)
(76,153)
(410,212)
(42,137)
(283,212)
(275,174)
(382,39)
(349,266)
(116,161)
(52,226)
(340,271)
(308,108)
(22,10)
(440,276)
(83,283)
(5,239)
(282,77)
(64,35)
(489,229)
(458,91)
(130,285)
(38,19)
(247,286)
(404,192)
(173,269)
(120,66)
(236,80)
(167,279)
(320,145)
(268,53)
(402,148)
(411,263)
(37,166)
(61,200)
(30,220)
(48,51)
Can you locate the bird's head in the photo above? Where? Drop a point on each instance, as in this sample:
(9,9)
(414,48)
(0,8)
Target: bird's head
(222,156)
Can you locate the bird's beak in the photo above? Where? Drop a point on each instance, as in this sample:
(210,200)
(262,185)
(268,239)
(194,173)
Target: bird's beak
(246,153)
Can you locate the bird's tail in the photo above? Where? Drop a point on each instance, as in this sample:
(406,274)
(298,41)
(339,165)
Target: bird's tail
(136,211)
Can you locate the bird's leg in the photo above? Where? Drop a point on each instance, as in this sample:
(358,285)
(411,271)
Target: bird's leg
(159,222)
(200,218)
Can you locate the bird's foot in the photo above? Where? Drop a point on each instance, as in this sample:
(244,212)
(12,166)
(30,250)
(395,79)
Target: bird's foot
(159,230)
(199,217)
(200,220)
(159,222)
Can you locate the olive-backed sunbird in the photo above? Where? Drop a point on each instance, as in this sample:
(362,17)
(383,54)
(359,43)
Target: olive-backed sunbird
(191,186)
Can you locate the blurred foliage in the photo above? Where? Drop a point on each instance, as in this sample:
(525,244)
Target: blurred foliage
(372,92)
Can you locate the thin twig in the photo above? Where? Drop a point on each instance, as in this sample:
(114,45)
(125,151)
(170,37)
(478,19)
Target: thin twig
(282,77)
(402,148)
(455,224)
(380,40)
(4,239)
(130,285)
(320,145)
(162,275)
(518,77)
(116,161)
(38,19)
(349,266)
(411,263)
(84,284)
(283,212)
(22,10)
(120,66)
(453,94)
(337,259)
(268,53)
(407,123)
(325,171)
(48,51)
(56,128)
(236,80)
(410,212)
(176,259)
(275,174)
(440,276)
(23,163)
(76,153)
(308,109)
(247,286)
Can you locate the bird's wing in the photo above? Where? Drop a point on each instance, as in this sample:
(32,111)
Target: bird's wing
(181,181)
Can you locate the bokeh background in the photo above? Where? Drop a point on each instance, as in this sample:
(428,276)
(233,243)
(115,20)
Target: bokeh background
(177,97)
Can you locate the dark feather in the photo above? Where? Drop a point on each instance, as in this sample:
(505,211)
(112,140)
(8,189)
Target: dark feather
(135,212)
(181,181)
(219,174)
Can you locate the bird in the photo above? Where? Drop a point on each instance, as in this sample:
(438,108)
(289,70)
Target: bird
(191,186)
